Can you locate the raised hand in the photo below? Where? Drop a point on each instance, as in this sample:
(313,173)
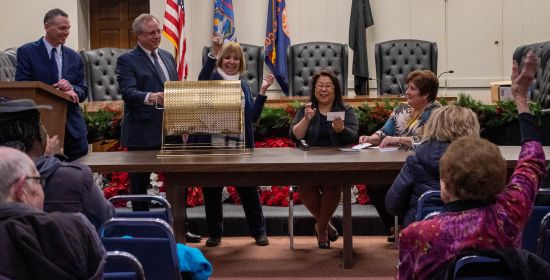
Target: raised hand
(217,42)
(522,80)
(309,111)
(338,124)
(268,81)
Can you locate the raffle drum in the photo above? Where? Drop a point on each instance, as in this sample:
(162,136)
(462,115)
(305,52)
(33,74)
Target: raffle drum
(203,108)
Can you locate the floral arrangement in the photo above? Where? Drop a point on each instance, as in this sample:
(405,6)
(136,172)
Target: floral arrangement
(105,123)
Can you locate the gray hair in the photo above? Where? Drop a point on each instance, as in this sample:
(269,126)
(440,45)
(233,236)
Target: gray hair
(51,14)
(141,20)
(13,164)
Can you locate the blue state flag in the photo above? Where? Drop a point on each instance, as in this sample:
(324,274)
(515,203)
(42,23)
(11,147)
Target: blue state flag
(224,20)
(277,41)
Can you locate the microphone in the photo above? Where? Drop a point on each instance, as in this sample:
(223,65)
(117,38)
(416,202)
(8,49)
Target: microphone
(389,84)
(443,73)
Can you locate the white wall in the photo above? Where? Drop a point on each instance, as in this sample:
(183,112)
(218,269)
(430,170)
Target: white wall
(475,38)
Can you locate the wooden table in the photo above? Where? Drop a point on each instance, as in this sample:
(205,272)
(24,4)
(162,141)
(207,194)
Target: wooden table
(274,166)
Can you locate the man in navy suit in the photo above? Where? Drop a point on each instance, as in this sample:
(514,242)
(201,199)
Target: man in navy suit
(141,74)
(49,61)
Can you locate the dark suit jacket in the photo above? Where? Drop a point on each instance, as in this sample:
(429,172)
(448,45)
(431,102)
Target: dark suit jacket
(33,64)
(136,75)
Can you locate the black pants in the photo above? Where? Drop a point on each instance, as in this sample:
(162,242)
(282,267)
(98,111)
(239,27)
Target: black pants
(250,199)
(74,148)
(377,194)
(139,181)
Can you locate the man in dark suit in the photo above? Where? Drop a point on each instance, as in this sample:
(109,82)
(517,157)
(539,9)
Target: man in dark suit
(49,61)
(141,74)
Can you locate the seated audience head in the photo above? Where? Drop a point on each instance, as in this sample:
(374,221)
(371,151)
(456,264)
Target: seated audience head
(231,59)
(422,86)
(20,126)
(450,123)
(146,28)
(325,89)
(19,179)
(472,169)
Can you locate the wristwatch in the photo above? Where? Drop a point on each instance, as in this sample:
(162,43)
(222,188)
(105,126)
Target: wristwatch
(211,55)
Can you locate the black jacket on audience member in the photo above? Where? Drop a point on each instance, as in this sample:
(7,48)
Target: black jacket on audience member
(70,188)
(38,245)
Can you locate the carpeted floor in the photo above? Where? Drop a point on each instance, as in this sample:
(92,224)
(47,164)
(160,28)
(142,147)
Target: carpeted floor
(240,258)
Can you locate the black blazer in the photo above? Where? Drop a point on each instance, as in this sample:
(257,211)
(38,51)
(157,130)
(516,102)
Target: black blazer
(136,76)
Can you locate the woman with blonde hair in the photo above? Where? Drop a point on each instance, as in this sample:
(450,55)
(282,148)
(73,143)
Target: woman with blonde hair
(227,62)
(421,170)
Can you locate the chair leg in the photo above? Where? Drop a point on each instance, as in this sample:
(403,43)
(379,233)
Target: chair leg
(396,230)
(291,216)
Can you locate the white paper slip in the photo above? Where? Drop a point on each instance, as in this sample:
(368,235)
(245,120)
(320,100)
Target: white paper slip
(361,146)
(332,115)
(388,149)
(349,150)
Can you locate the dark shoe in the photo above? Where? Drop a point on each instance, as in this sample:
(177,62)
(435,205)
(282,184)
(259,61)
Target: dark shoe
(261,240)
(332,233)
(322,245)
(391,238)
(192,238)
(213,241)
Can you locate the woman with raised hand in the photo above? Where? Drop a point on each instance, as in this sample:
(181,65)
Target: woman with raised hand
(481,211)
(311,124)
(226,62)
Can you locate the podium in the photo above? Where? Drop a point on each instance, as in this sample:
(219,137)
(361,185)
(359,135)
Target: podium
(42,94)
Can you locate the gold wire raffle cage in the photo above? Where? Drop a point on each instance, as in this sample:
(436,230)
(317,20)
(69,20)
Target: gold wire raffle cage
(213,108)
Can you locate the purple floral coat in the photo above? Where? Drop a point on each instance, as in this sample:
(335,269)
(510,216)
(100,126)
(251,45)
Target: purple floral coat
(426,246)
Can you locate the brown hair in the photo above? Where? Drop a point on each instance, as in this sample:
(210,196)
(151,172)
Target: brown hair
(338,102)
(473,168)
(232,48)
(426,82)
(449,123)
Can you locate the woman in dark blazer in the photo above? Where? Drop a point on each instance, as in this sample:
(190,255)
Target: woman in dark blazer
(227,63)
(311,124)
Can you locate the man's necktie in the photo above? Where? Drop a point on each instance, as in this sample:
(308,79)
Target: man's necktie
(53,61)
(157,66)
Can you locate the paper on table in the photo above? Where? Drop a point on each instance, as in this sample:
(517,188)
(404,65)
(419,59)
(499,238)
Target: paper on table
(386,149)
(332,115)
(361,146)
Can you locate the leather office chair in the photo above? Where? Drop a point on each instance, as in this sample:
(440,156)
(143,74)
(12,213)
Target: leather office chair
(395,59)
(7,68)
(12,54)
(100,66)
(254,59)
(308,59)
(540,87)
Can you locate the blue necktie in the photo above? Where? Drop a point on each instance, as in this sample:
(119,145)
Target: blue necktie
(54,64)
(157,66)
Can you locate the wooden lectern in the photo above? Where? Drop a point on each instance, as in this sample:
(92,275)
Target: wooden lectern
(42,94)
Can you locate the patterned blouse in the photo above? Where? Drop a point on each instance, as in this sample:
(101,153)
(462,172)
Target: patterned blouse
(402,124)
(425,247)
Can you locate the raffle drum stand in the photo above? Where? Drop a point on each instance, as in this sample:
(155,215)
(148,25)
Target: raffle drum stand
(195,108)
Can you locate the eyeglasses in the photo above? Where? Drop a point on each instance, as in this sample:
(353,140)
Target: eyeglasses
(151,33)
(41,180)
(321,86)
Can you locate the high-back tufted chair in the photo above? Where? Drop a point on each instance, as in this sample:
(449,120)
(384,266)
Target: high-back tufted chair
(254,59)
(395,59)
(7,68)
(308,59)
(12,54)
(99,66)
(540,87)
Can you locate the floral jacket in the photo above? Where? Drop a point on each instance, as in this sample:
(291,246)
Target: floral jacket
(426,246)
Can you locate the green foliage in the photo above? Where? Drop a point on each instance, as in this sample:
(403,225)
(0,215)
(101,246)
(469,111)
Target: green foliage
(494,116)
(373,118)
(103,124)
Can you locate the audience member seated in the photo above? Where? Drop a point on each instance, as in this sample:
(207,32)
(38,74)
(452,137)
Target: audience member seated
(226,62)
(421,170)
(39,245)
(403,128)
(311,124)
(480,211)
(69,186)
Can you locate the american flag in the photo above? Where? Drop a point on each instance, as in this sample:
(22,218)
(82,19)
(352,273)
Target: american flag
(175,30)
